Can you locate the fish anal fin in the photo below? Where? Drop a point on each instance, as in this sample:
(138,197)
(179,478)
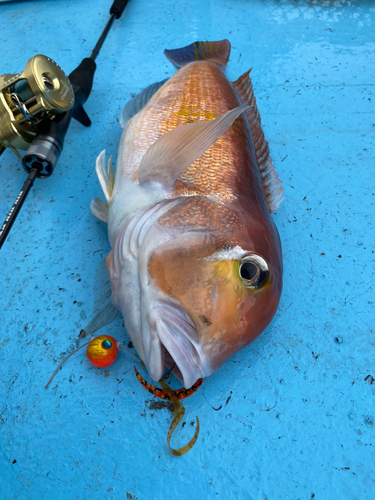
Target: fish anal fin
(176,150)
(270,179)
(216,52)
(106,177)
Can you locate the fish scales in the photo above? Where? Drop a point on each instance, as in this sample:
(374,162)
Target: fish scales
(199,91)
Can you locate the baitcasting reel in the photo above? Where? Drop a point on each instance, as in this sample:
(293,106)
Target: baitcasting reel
(29,99)
(36,108)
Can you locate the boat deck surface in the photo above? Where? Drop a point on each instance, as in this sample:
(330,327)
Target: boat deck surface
(292,416)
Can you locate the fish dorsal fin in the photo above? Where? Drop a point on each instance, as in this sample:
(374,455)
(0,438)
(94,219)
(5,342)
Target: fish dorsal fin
(106,312)
(106,178)
(139,101)
(271,183)
(99,209)
(170,155)
(216,52)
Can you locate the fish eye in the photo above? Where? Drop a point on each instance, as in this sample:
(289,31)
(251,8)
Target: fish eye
(254,271)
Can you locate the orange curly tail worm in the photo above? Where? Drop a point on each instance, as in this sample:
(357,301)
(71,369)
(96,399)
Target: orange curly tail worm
(162,393)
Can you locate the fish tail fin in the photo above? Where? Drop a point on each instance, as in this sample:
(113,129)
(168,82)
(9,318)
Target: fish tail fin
(216,52)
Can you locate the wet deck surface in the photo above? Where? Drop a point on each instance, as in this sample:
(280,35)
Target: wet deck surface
(292,415)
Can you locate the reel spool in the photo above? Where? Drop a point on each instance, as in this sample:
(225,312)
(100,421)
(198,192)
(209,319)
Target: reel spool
(39,93)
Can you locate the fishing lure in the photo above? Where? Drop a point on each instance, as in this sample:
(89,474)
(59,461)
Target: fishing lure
(162,394)
(179,412)
(102,351)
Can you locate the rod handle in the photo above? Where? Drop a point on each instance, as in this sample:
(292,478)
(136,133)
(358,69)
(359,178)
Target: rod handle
(83,77)
(118,7)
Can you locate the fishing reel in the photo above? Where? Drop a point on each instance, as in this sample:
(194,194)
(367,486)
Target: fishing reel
(36,108)
(27,101)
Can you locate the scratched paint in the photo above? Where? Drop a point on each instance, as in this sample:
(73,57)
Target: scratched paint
(291,416)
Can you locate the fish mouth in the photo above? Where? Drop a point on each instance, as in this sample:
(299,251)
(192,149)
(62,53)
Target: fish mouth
(178,334)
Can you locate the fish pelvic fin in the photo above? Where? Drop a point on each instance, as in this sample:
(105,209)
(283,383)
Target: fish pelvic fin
(175,151)
(270,179)
(106,177)
(215,52)
(99,209)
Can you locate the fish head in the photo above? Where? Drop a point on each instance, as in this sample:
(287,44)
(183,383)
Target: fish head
(229,292)
(204,293)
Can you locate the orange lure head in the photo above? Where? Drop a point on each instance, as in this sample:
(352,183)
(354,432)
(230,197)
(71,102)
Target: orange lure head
(102,351)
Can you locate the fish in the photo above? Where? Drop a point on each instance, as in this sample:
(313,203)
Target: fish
(195,266)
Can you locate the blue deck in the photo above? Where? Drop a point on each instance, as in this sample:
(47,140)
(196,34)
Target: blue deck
(296,417)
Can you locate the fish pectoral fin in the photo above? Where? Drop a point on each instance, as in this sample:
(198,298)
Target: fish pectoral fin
(139,101)
(270,179)
(106,314)
(105,311)
(175,151)
(99,209)
(106,178)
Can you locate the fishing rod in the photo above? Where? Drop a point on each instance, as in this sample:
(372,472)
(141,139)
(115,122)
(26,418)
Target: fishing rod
(36,108)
